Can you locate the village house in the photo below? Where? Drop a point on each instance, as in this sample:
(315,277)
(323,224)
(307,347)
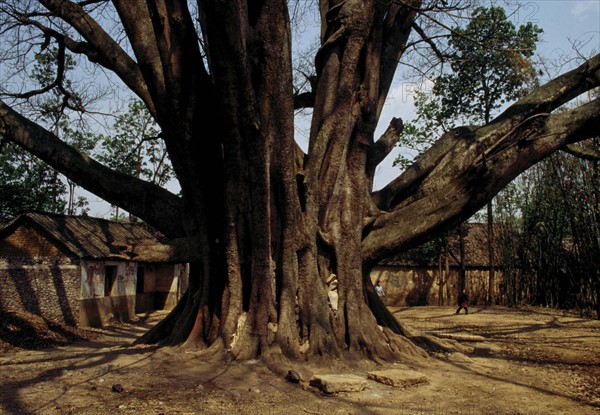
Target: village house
(89,271)
(431,276)
(86,271)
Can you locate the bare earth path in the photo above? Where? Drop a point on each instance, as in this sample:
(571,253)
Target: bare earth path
(540,362)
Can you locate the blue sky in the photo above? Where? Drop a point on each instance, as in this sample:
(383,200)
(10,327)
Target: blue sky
(564,20)
(565,23)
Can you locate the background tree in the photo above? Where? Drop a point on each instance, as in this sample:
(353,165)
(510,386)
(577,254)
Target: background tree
(52,110)
(268,225)
(135,147)
(548,232)
(27,183)
(561,234)
(509,206)
(490,65)
(83,141)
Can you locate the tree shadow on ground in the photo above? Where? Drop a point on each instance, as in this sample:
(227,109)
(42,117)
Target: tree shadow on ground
(419,294)
(32,332)
(10,399)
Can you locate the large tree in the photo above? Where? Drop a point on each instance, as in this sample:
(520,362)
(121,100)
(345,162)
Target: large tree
(268,225)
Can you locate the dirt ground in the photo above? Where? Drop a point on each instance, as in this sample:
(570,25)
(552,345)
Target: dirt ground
(540,362)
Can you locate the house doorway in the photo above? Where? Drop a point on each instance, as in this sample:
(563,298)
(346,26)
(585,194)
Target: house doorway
(110,276)
(139,284)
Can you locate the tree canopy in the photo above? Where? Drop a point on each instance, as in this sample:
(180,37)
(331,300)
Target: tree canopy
(490,65)
(26,183)
(271,226)
(134,147)
(486,64)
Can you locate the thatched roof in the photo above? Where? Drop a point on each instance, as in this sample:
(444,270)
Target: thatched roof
(93,238)
(476,249)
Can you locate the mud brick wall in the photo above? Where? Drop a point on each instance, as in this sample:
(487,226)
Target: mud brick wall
(48,288)
(35,276)
(420,286)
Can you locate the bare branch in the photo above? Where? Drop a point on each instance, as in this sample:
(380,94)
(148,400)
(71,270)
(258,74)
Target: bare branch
(100,47)
(427,39)
(306,99)
(467,167)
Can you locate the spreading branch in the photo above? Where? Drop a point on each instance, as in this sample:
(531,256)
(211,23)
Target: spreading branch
(159,207)
(467,167)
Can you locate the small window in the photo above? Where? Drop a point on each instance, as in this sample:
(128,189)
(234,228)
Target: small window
(139,285)
(110,275)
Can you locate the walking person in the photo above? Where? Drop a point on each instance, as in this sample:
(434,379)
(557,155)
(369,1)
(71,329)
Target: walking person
(463,302)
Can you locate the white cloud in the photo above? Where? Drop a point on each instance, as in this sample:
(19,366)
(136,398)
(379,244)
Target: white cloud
(585,7)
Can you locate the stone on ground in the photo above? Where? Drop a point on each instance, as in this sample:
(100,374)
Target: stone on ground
(458,336)
(399,378)
(335,383)
(482,350)
(458,357)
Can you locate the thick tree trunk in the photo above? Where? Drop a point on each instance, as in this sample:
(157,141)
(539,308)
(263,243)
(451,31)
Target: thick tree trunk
(291,251)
